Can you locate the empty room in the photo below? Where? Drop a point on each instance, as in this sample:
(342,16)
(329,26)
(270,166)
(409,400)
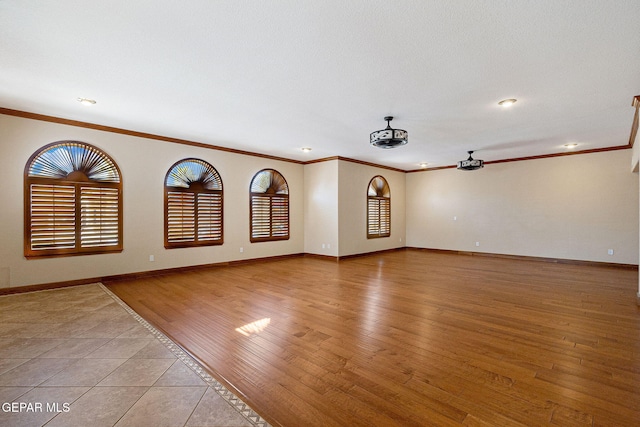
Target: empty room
(284,213)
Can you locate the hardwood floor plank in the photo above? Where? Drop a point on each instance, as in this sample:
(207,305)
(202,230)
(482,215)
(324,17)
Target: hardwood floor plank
(409,338)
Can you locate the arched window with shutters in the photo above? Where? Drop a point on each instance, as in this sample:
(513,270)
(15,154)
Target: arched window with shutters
(378,208)
(193,205)
(73,201)
(269,207)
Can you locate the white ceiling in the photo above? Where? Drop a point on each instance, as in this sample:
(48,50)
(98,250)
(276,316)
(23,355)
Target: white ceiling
(274,76)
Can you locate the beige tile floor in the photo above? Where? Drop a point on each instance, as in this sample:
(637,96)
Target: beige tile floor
(78,356)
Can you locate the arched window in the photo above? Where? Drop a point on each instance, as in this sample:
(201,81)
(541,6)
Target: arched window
(378,208)
(269,206)
(193,205)
(73,201)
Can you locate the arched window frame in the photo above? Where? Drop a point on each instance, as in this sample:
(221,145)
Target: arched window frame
(193,205)
(268,207)
(378,208)
(72,201)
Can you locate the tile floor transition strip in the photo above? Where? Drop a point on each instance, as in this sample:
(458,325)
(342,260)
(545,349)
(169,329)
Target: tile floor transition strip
(235,402)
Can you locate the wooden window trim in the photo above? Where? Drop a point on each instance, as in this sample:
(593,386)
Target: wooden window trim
(196,191)
(379,199)
(270,195)
(78,250)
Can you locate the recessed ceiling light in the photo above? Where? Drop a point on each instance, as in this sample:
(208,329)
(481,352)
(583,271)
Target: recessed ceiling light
(505,103)
(423,164)
(306,149)
(86,101)
(571,145)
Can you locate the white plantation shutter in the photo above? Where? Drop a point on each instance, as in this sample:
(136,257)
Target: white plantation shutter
(52,217)
(193,205)
(73,201)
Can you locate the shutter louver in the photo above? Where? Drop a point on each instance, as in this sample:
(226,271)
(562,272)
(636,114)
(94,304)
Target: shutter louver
(260,217)
(279,216)
(209,216)
(385,217)
(180,217)
(98,216)
(374,217)
(52,217)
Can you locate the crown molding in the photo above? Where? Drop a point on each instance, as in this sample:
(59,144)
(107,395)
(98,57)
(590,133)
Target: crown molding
(542,156)
(634,125)
(94,126)
(360,162)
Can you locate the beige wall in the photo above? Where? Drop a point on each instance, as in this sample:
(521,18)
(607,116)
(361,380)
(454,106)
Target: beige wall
(571,207)
(353,184)
(321,208)
(143,164)
(635,167)
(335,208)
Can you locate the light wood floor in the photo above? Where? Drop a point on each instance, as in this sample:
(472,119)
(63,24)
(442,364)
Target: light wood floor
(410,338)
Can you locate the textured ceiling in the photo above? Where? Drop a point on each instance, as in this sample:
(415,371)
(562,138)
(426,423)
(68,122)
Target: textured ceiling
(274,76)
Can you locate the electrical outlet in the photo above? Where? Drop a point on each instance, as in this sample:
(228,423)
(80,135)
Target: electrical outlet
(241,249)
(610,251)
(328,245)
(477,243)
(323,246)
(152,258)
